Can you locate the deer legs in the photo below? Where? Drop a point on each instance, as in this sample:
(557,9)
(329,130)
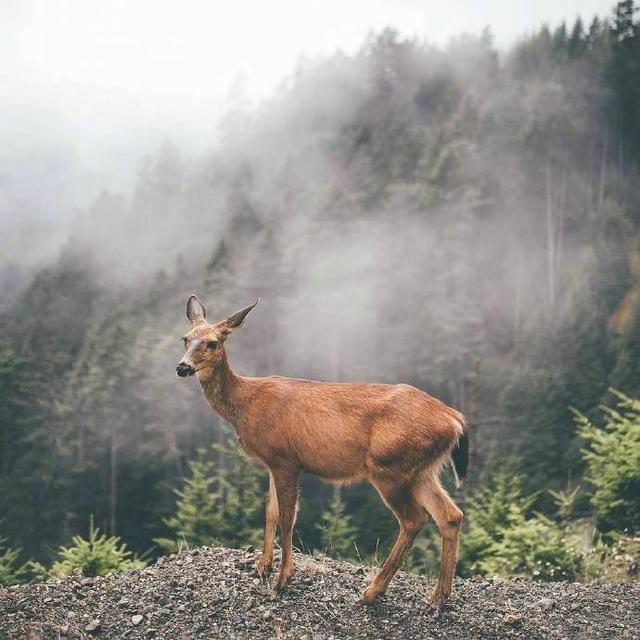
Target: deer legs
(286,488)
(411,516)
(449,520)
(410,504)
(271,522)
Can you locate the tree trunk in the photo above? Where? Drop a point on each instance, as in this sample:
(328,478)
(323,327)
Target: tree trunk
(551,240)
(560,224)
(80,452)
(113,483)
(603,166)
(517,312)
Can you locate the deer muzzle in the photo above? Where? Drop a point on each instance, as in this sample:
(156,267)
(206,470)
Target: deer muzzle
(183,370)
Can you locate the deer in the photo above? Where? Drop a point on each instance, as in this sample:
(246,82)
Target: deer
(394,436)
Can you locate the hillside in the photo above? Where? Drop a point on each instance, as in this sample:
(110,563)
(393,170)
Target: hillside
(212,593)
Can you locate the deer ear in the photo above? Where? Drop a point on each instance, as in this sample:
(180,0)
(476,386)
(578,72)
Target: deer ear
(195,310)
(234,321)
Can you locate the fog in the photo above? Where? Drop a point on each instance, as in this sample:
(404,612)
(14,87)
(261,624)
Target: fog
(414,197)
(90,89)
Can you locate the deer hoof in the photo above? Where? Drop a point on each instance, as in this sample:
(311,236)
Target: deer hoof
(437,601)
(262,567)
(370,594)
(282,580)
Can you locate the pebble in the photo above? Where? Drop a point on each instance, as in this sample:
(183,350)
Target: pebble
(93,625)
(213,593)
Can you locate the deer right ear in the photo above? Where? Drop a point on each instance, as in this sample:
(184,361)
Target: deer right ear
(195,310)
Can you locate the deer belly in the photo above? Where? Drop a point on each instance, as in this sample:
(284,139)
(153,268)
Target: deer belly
(341,463)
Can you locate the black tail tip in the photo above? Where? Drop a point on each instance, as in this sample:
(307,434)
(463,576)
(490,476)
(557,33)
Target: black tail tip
(460,457)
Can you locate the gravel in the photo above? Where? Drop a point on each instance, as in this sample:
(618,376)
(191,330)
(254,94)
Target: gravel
(213,593)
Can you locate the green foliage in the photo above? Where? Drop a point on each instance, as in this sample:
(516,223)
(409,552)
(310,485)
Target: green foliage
(535,548)
(619,562)
(221,502)
(613,464)
(337,533)
(507,539)
(196,517)
(490,512)
(506,214)
(96,555)
(11,570)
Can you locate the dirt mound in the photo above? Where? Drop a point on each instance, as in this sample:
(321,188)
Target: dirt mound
(213,593)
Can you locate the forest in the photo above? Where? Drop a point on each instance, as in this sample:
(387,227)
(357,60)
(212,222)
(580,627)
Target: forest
(458,218)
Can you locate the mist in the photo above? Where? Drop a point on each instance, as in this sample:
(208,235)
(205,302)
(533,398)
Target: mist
(414,197)
(74,124)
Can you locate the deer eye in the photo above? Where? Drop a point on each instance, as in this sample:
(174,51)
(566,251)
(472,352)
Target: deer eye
(212,344)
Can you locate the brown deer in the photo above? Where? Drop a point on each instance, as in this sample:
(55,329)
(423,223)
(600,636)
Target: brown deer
(394,436)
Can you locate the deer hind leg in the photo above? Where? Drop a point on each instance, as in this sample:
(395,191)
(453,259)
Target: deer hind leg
(411,516)
(286,484)
(270,525)
(448,517)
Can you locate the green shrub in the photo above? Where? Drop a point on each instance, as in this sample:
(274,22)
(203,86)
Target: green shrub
(337,534)
(11,571)
(537,549)
(506,538)
(98,555)
(220,503)
(613,465)
(491,511)
(616,562)
(196,518)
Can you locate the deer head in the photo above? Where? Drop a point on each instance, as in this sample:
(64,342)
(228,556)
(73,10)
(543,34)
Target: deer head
(204,343)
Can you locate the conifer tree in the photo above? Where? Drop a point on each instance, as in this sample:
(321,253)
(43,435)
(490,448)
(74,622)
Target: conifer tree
(337,532)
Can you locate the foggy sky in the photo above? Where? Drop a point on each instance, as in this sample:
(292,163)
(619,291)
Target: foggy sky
(90,87)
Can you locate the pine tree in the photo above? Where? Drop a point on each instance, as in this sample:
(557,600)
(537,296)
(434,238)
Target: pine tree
(337,533)
(11,570)
(613,464)
(96,555)
(220,503)
(197,518)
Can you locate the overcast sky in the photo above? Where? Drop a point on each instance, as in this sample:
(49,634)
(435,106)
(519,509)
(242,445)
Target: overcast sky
(87,87)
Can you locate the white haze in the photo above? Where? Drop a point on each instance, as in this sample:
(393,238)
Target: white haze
(90,88)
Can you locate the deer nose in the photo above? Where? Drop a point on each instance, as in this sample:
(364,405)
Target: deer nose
(183,370)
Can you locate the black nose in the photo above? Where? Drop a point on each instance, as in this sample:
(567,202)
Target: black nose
(184,370)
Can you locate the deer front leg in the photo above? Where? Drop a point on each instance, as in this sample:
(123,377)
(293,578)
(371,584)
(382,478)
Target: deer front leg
(286,482)
(271,522)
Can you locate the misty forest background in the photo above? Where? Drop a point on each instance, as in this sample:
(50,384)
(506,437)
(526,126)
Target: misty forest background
(452,218)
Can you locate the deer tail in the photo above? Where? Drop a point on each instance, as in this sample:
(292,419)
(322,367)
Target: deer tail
(460,457)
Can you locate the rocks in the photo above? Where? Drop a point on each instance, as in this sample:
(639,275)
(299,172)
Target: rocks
(546,604)
(92,625)
(213,593)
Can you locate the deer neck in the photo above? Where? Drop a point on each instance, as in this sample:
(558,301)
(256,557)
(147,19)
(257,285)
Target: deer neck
(221,388)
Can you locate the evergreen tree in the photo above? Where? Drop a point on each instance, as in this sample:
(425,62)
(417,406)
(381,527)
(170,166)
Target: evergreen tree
(613,465)
(197,518)
(220,504)
(337,532)
(11,570)
(96,555)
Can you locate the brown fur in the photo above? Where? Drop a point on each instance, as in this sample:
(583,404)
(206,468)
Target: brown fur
(395,436)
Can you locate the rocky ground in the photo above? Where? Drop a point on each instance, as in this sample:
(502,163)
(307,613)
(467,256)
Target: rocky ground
(213,593)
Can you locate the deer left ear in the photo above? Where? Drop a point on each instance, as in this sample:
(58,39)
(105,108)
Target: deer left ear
(195,310)
(234,321)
